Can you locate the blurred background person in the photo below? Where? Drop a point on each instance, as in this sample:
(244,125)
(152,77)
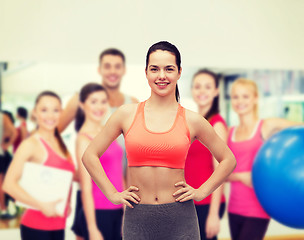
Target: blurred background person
(200,163)
(111,68)
(22,132)
(247,218)
(7,136)
(45,147)
(99,218)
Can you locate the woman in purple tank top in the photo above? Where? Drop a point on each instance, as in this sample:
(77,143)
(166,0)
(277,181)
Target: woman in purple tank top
(247,218)
(98,218)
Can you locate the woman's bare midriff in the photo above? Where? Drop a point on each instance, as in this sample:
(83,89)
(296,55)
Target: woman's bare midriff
(156,184)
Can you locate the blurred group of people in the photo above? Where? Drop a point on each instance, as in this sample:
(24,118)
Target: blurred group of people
(96,217)
(10,136)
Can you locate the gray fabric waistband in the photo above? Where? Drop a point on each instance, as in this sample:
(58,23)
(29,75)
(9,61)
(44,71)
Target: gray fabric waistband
(176,221)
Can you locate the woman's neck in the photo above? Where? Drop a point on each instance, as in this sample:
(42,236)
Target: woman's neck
(91,126)
(162,102)
(48,135)
(248,120)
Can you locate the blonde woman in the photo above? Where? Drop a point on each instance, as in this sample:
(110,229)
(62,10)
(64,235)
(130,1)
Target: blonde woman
(247,219)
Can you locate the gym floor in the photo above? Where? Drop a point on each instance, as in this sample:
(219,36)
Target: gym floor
(9,230)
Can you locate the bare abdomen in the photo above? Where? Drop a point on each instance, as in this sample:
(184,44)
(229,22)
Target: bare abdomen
(156,184)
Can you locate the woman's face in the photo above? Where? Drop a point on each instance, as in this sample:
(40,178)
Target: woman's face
(47,112)
(162,72)
(243,99)
(95,106)
(204,89)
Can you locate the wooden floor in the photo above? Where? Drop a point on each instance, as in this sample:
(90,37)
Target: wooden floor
(15,223)
(298,237)
(294,237)
(10,223)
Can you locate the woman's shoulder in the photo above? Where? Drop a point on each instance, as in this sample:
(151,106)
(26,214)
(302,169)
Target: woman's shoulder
(218,119)
(30,145)
(84,136)
(194,118)
(31,141)
(82,140)
(126,110)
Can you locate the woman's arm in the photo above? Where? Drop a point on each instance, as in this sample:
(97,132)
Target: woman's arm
(213,218)
(23,132)
(69,113)
(86,189)
(273,125)
(97,147)
(243,177)
(203,131)
(23,154)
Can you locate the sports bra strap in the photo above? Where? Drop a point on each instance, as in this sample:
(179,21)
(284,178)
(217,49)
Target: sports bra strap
(140,107)
(86,135)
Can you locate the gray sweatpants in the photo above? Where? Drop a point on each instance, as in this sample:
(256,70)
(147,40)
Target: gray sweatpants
(170,221)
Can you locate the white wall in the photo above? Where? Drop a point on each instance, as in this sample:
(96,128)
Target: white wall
(67,79)
(234,33)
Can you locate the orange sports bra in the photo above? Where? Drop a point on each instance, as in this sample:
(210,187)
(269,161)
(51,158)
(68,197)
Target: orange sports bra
(159,149)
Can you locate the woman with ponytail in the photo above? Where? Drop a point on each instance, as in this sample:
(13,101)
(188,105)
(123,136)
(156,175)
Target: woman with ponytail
(200,163)
(158,133)
(99,218)
(47,148)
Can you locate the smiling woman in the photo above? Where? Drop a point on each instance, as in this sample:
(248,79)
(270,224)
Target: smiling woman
(158,72)
(247,218)
(97,218)
(45,147)
(158,133)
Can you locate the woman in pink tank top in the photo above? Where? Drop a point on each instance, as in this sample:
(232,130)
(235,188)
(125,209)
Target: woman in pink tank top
(98,218)
(247,219)
(44,147)
(200,163)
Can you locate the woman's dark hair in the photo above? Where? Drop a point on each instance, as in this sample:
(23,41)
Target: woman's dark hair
(166,46)
(22,112)
(10,115)
(215,108)
(85,91)
(57,134)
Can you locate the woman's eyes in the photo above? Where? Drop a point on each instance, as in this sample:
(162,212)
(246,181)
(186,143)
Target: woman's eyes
(46,110)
